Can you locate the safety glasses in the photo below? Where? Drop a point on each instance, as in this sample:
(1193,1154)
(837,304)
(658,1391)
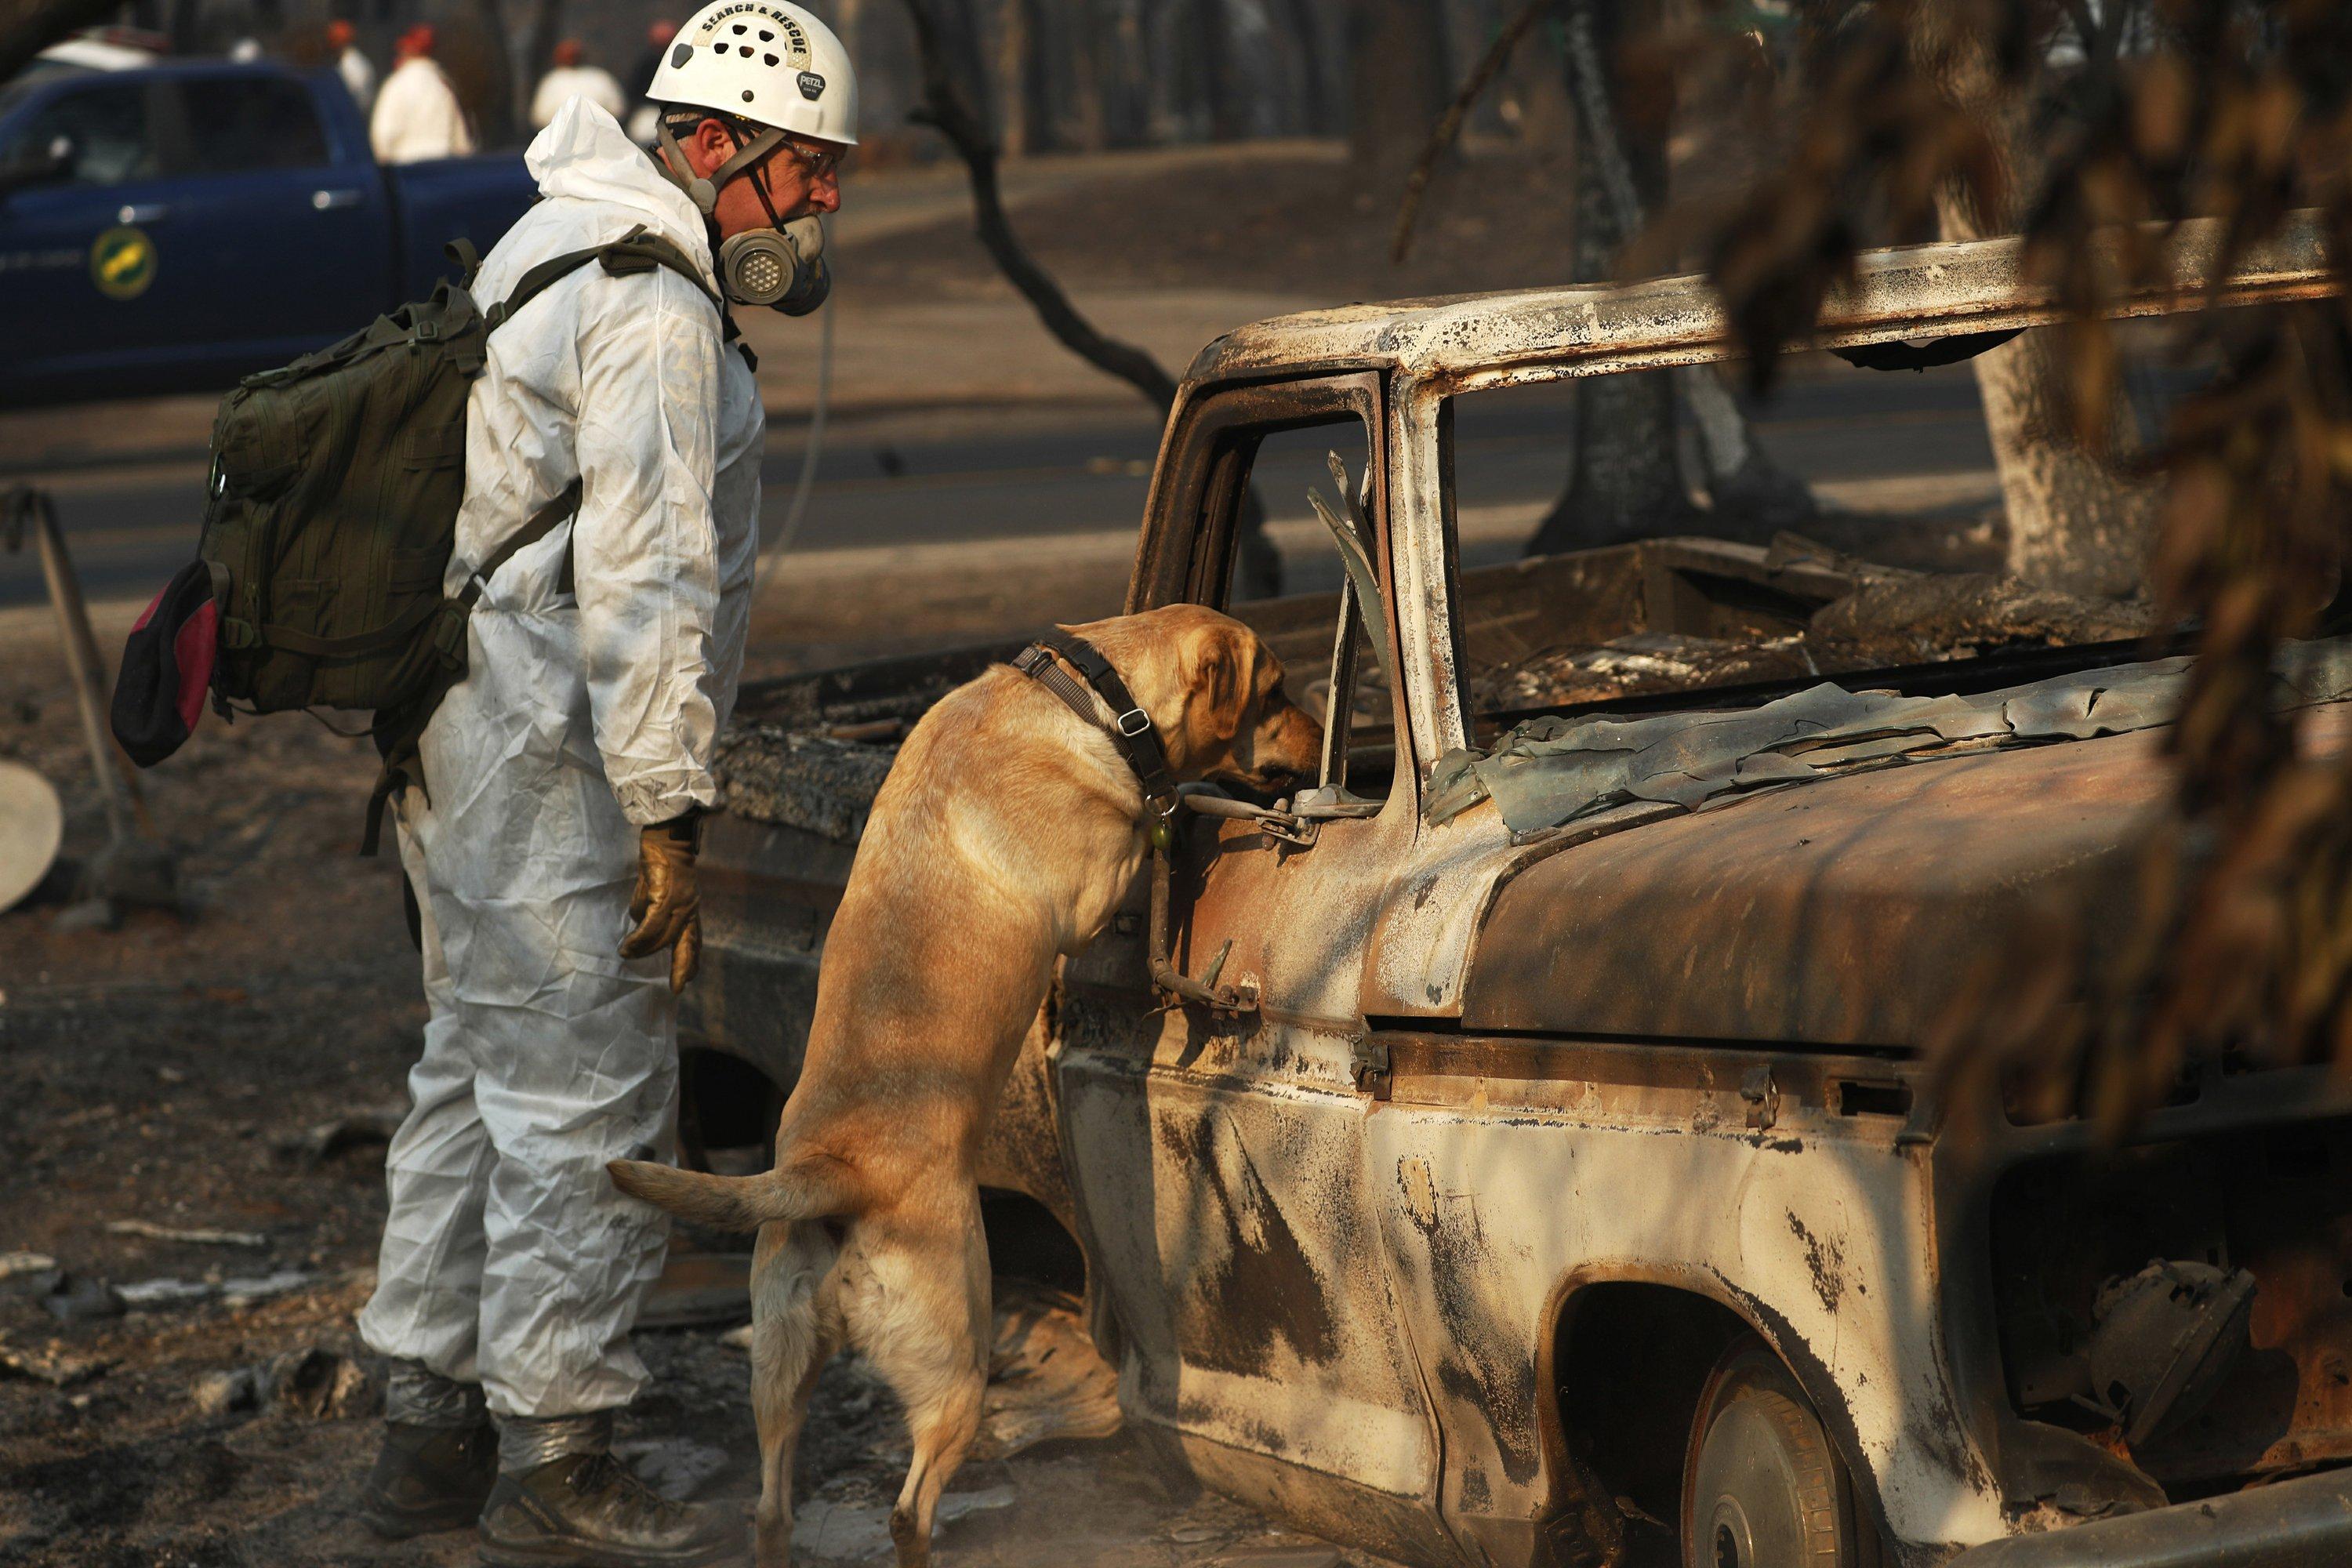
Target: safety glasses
(818,161)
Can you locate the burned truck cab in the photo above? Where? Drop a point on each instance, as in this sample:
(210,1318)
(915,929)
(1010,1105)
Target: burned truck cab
(1525,1146)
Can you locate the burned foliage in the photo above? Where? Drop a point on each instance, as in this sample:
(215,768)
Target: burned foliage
(2114,136)
(2153,115)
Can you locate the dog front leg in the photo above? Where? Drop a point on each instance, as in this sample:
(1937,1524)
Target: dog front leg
(793,1334)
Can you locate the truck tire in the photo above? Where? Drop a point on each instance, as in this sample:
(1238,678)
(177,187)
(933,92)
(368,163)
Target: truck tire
(1762,1487)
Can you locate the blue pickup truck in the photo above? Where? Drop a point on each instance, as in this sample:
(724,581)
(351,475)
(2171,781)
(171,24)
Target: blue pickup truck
(172,227)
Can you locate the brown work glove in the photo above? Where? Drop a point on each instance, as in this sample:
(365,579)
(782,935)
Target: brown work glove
(668,903)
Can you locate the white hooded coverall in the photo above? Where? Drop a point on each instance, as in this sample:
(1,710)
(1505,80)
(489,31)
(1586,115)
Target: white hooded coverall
(566,82)
(508,1257)
(417,116)
(358,76)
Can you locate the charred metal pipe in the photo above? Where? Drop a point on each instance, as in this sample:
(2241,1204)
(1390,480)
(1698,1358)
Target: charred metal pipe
(2294,1524)
(1173,981)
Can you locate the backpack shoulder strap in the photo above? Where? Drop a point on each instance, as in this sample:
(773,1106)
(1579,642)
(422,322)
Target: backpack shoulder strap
(544,522)
(639,251)
(635,251)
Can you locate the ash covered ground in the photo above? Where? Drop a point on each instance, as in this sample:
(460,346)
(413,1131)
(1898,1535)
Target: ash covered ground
(177,1073)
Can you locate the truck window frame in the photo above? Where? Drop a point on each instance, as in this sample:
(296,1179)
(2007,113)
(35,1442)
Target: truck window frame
(139,89)
(1192,518)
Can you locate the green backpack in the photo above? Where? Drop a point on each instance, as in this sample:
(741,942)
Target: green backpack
(332,506)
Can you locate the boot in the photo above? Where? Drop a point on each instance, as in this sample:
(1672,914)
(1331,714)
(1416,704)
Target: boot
(590,1510)
(429,1478)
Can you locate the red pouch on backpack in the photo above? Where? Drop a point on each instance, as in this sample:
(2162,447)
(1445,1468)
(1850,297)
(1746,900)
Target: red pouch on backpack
(167,667)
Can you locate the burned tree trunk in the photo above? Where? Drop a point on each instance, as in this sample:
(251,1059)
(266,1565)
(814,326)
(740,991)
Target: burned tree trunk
(1294,21)
(1089,120)
(1020,79)
(1535,92)
(1396,84)
(546,20)
(1624,479)
(1628,477)
(2075,523)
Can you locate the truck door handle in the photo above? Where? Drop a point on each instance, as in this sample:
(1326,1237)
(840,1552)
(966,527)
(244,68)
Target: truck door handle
(147,212)
(327,201)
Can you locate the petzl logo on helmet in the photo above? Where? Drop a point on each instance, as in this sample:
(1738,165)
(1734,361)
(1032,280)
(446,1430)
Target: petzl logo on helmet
(812,85)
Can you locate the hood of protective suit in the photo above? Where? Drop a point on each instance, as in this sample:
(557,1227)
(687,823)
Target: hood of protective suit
(584,155)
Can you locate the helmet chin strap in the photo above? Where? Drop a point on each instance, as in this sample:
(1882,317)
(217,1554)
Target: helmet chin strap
(704,193)
(761,267)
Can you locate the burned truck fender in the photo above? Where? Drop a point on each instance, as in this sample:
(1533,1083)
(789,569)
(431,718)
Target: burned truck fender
(1500,1221)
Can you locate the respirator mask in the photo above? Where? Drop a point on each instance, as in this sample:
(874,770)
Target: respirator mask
(781,266)
(783,269)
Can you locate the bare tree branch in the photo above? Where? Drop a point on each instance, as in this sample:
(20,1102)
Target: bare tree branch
(947,110)
(1448,128)
(28,26)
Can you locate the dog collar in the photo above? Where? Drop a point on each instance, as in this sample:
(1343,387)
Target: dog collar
(1130,729)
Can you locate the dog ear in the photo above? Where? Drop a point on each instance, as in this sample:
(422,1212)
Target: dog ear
(1217,678)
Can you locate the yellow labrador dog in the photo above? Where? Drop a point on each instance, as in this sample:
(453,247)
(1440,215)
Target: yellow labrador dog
(1007,831)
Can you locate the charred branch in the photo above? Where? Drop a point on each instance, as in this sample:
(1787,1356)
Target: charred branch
(947,109)
(28,26)
(1448,129)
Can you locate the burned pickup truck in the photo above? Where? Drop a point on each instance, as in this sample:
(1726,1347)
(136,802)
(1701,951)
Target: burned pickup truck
(1517,1147)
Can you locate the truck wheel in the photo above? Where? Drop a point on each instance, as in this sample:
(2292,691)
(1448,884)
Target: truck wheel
(1762,1487)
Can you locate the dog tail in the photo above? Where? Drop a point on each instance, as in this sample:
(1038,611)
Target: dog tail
(728,1203)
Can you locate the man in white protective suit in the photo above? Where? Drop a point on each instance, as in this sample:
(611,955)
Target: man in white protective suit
(551,847)
(417,115)
(572,78)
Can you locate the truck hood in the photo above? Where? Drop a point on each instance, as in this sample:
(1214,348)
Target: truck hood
(1845,912)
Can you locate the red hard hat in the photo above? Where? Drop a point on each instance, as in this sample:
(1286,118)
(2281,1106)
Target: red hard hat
(341,33)
(418,41)
(568,52)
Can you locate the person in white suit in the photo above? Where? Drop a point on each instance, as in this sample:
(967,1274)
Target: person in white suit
(574,78)
(551,846)
(356,70)
(416,113)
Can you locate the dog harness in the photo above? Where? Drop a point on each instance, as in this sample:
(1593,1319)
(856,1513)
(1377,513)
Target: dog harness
(1130,729)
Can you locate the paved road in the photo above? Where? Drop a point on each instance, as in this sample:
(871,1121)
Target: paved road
(909,482)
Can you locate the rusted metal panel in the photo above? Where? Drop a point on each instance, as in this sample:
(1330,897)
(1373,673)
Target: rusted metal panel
(1910,292)
(2308,1520)
(1842,913)
(1217,1163)
(1845,912)
(1230,1227)
(1819,1233)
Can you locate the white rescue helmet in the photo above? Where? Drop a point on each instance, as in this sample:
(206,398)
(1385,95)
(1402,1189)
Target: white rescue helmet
(764,60)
